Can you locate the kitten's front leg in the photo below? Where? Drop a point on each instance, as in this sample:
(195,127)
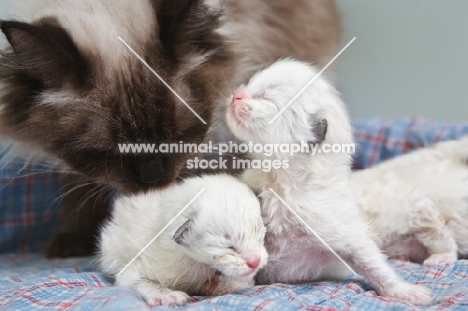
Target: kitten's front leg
(154,293)
(364,256)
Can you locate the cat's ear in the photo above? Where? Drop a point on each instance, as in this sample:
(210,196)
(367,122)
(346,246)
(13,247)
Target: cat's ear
(319,128)
(44,50)
(184,22)
(180,237)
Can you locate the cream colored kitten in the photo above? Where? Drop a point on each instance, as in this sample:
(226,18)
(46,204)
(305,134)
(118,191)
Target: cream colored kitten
(417,203)
(215,247)
(316,187)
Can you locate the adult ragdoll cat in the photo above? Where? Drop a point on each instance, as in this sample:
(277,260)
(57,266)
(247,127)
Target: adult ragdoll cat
(72,91)
(213,248)
(417,204)
(315,188)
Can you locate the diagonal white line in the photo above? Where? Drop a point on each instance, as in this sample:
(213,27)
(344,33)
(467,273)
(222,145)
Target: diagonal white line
(160,232)
(313,80)
(162,80)
(314,233)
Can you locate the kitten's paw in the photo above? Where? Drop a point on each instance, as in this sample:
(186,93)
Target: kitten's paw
(415,294)
(169,299)
(435,259)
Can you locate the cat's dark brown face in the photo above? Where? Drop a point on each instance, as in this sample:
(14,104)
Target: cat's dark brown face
(60,96)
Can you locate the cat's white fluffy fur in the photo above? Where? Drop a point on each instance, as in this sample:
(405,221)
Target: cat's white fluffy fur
(221,231)
(417,204)
(316,187)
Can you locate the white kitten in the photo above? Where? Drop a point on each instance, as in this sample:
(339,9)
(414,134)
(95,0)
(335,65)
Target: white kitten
(316,187)
(418,203)
(213,248)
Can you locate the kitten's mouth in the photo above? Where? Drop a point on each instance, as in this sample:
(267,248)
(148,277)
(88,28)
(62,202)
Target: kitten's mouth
(235,117)
(238,108)
(239,114)
(250,273)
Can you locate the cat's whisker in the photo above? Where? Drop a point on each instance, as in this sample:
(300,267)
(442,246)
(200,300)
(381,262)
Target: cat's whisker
(60,198)
(100,193)
(88,196)
(227,84)
(79,184)
(107,169)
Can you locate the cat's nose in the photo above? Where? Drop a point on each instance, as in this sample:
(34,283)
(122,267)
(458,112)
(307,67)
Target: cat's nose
(149,171)
(253,262)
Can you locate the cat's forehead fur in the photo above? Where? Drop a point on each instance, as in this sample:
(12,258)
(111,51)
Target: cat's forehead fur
(96,25)
(75,91)
(95,28)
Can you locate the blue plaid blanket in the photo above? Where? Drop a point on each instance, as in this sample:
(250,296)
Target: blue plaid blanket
(29,216)
(30,282)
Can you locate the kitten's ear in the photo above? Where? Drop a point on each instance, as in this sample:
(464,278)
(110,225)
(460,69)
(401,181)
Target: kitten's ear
(186,22)
(181,234)
(319,128)
(44,51)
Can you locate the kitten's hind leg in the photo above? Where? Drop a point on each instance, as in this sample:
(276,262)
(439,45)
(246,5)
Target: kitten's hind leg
(154,293)
(430,228)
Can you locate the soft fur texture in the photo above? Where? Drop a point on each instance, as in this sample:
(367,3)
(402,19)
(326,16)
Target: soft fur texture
(316,187)
(71,91)
(74,91)
(417,204)
(215,247)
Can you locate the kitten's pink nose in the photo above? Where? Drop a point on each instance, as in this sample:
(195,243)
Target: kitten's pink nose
(253,263)
(240,94)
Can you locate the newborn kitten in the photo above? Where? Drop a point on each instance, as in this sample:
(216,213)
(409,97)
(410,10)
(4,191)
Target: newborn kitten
(72,91)
(417,203)
(215,247)
(316,187)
